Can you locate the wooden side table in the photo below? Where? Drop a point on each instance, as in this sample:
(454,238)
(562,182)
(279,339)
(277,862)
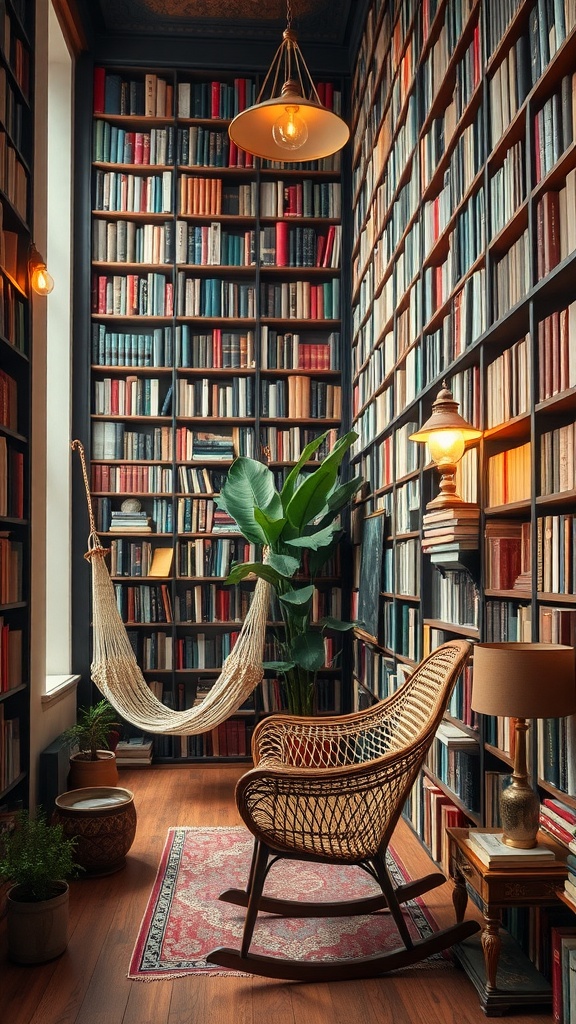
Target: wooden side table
(504,977)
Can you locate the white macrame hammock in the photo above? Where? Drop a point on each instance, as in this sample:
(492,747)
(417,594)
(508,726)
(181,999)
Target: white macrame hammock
(116,672)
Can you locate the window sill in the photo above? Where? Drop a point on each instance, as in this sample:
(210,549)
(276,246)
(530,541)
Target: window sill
(58,687)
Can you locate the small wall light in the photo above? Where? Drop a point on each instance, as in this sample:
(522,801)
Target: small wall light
(446,433)
(40,280)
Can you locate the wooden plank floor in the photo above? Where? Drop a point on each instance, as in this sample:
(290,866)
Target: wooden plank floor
(88,984)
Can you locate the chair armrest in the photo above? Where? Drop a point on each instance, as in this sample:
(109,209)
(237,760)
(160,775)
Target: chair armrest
(339,812)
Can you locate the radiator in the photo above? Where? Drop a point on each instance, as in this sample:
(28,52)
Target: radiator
(54,768)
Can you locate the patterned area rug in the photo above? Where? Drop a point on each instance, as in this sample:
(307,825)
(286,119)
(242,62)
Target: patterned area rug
(184,918)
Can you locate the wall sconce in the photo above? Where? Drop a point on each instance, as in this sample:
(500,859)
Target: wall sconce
(292,124)
(40,280)
(446,433)
(521,681)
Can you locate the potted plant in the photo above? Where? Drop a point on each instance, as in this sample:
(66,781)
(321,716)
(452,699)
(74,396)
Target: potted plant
(94,764)
(299,529)
(38,859)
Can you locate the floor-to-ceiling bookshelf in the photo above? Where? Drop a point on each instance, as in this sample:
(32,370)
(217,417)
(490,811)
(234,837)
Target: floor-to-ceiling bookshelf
(216,332)
(16,150)
(464,172)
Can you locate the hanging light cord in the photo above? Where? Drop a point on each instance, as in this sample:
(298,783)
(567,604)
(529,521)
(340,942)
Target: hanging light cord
(289,46)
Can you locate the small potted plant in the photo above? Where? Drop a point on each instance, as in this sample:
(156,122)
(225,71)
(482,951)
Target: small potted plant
(299,527)
(94,764)
(37,858)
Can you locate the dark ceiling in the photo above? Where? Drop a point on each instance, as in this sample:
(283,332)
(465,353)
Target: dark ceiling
(324,22)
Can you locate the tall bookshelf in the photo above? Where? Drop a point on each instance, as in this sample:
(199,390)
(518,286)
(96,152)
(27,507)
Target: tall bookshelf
(464,170)
(16,141)
(216,332)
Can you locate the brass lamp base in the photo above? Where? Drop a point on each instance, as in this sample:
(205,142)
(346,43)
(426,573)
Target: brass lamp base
(519,804)
(519,816)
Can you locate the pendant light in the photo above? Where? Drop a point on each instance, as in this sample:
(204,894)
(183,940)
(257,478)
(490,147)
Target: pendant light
(292,124)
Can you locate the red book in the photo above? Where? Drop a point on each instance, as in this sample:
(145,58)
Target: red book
(565,812)
(282,243)
(99,87)
(326,262)
(240,87)
(556,830)
(556,935)
(215,98)
(139,147)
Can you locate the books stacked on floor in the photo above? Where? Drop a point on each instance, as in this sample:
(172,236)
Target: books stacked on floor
(447,532)
(130,522)
(135,751)
(492,851)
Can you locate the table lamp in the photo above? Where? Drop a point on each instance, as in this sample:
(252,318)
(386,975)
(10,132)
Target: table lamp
(520,681)
(446,433)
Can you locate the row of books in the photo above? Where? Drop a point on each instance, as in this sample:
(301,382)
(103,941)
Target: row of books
(205,398)
(129,295)
(146,96)
(200,146)
(12,316)
(131,479)
(207,602)
(214,297)
(113,144)
(201,480)
(508,555)
(123,192)
(131,396)
(557,459)
(557,554)
(200,650)
(289,351)
(139,558)
(212,445)
(301,300)
(300,397)
(509,476)
(284,245)
(202,515)
(208,245)
(287,445)
(121,348)
(557,352)
(216,349)
(307,198)
(124,241)
(212,556)
(111,440)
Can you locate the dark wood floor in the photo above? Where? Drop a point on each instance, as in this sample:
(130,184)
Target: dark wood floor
(88,984)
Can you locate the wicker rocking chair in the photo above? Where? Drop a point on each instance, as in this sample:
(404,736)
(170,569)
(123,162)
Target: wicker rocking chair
(332,790)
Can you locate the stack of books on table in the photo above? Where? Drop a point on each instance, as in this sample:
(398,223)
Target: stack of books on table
(130,522)
(451,530)
(492,851)
(135,751)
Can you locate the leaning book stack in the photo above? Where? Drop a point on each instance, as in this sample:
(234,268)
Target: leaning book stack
(447,532)
(133,752)
(494,853)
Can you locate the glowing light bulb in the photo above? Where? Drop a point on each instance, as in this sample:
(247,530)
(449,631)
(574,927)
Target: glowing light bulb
(290,131)
(446,447)
(41,281)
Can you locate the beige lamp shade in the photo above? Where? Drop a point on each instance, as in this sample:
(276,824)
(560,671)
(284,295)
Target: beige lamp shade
(251,129)
(519,680)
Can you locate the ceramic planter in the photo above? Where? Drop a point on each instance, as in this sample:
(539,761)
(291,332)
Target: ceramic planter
(102,772)
(102,820)
(37,932)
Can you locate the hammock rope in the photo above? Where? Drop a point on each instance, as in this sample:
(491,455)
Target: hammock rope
(118,676)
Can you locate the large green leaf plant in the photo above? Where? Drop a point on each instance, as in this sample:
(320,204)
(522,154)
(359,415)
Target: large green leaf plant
(299,529)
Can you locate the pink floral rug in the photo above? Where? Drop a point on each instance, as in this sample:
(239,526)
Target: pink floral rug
(184,918)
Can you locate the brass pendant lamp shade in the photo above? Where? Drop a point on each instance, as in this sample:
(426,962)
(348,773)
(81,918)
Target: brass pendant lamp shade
(291,124)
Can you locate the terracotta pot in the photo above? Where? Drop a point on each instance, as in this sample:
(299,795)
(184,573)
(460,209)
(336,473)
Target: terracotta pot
(102,772)
(37,932)
(102,820)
